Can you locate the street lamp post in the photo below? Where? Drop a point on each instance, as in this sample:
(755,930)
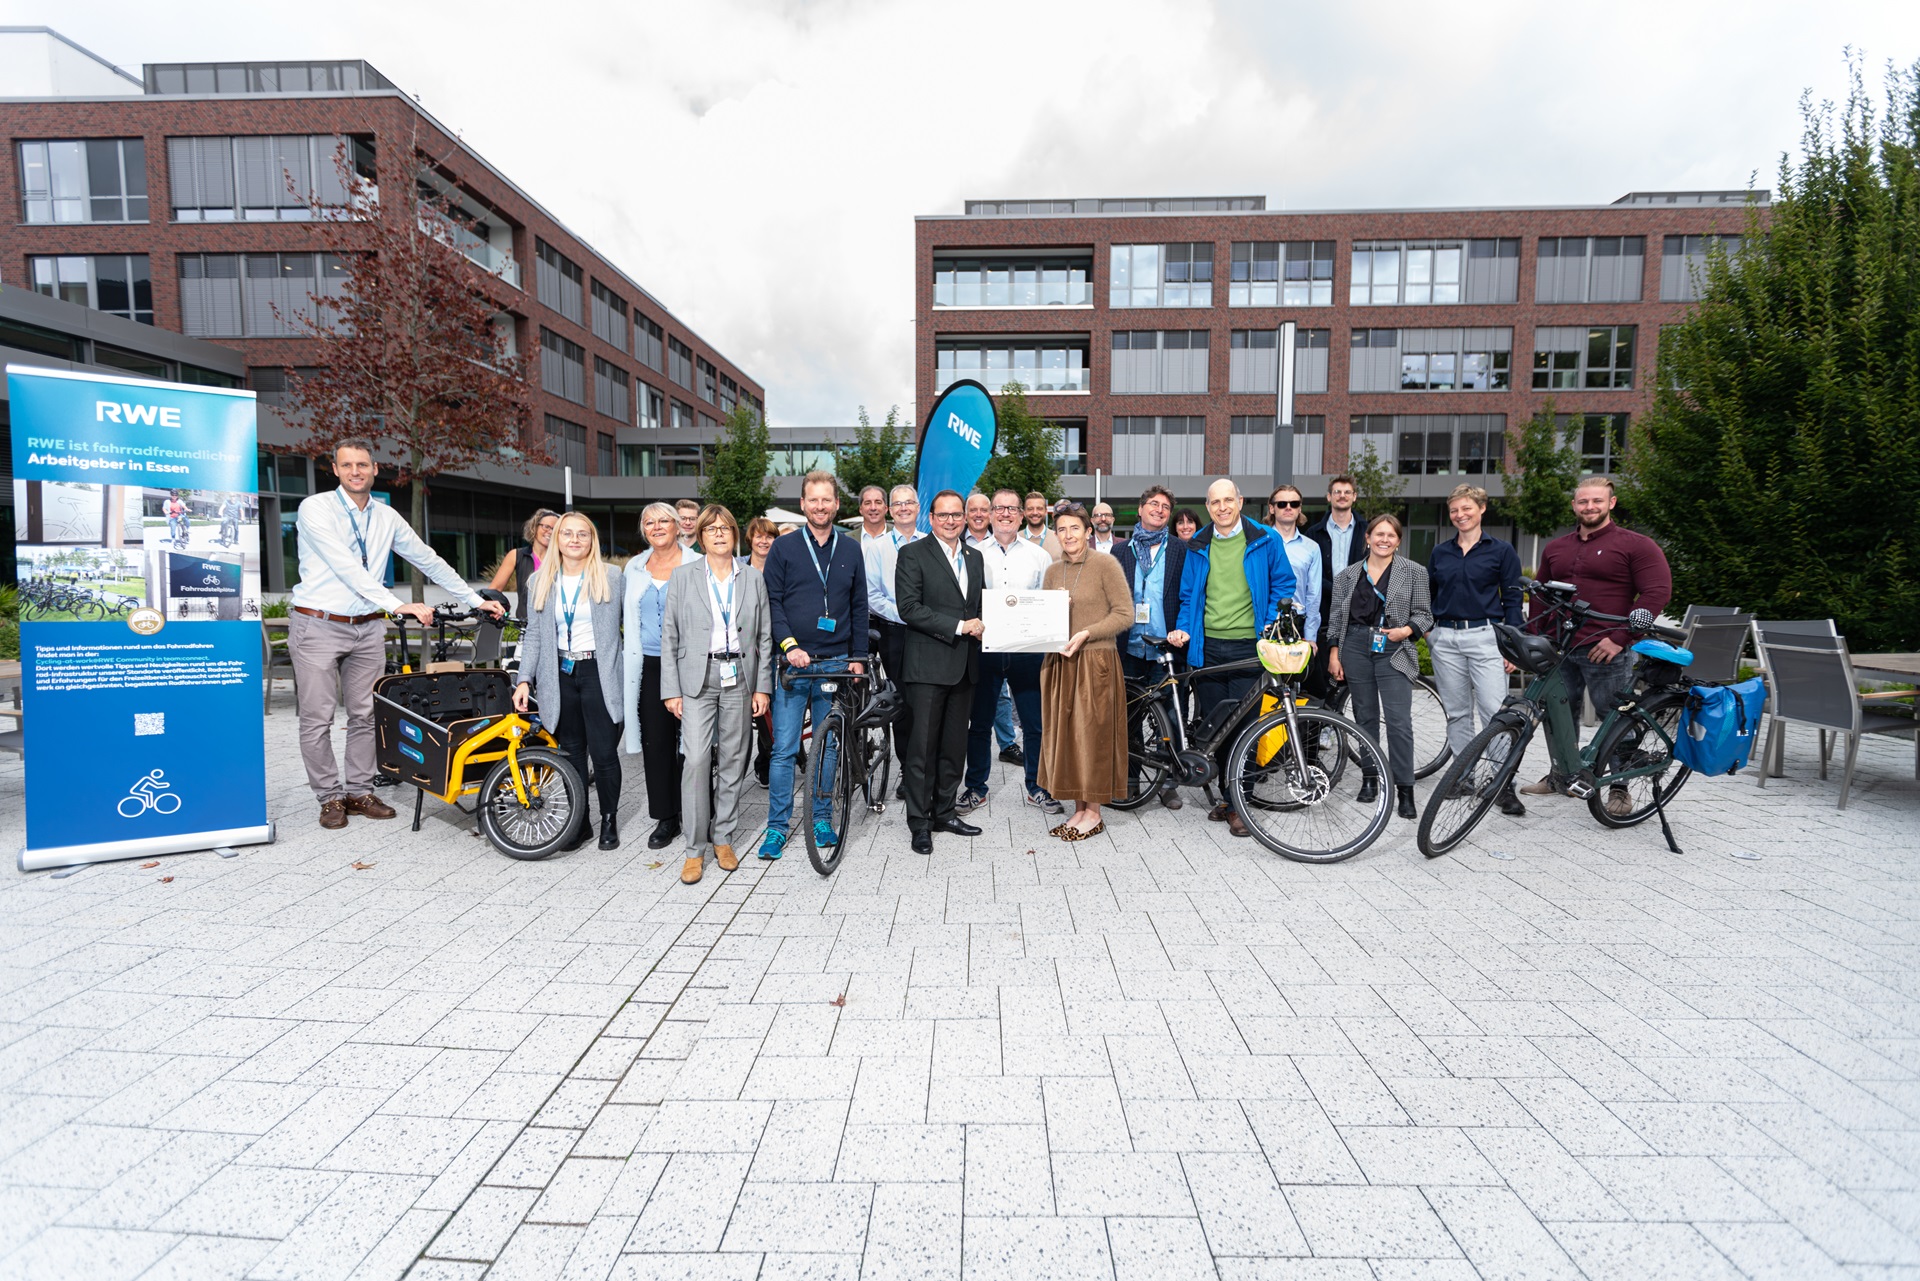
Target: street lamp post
(1283,410)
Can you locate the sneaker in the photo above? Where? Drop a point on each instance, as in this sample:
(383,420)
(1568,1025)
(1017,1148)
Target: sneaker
(1012,755)
(775,843)
(969,802)
(823,833)
(1039,799)
(1544,787)
(1619,803)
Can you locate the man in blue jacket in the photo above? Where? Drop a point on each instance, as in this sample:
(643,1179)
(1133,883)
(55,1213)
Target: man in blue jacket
(1232,583)
(817,601)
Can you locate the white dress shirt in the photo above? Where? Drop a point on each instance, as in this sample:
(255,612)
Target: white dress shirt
(333,576)
(1104,544)
(721,596)
(1019,566)
(568,590)
(881,550)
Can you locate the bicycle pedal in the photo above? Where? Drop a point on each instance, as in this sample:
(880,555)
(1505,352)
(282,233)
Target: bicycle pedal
(1580,789)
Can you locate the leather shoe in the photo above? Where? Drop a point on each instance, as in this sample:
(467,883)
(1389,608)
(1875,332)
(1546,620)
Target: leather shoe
(1544,787)
(664,833)
(691,870)
(1369,790)
(1237,825)
(1218,814)
(1510,804)
(922,841)
(725,857)
(957,827)
(609,833)
(1405,796)
(369,806)
(333,814)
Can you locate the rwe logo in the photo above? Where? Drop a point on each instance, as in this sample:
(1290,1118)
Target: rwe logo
(110,411)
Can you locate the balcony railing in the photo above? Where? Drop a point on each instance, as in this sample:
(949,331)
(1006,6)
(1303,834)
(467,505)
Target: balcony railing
(477,250)
(1034,380)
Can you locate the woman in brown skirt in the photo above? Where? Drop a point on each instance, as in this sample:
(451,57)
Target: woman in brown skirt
(1084,759)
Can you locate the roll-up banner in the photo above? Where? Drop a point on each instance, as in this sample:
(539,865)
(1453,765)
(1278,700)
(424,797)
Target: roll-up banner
(956,441)
(136,525)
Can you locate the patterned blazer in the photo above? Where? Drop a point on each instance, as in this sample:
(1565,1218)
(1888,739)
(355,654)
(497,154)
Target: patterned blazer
(1409,603)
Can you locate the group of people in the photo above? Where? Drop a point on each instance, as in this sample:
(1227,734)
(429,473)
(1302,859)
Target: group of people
(673,656)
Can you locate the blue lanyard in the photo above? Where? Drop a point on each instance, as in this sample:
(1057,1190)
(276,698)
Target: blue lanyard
(568,606)
(726,609)
(354,525)
(813,553)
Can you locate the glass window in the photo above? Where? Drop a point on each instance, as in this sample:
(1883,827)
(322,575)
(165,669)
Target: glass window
(1418,273)
(263,178)
(649,343)
(610,386)
(705,388)
(1683,264)
(609,316)
(117,284)
(1176,275)
(97,180)
(557,280)
(1040,365)
(680,363)
(1594,359)
(563,367)
(1600,438)
(1016,282)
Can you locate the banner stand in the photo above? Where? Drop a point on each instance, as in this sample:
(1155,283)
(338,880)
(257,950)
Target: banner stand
(220,843)
(956,442)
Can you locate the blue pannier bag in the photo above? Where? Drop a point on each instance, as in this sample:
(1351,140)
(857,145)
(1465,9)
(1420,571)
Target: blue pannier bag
(1719,725)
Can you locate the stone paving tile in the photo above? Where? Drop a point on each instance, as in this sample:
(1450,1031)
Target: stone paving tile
(1159,1054)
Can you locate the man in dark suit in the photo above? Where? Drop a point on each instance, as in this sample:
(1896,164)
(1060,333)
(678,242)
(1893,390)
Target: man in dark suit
(1341,542)
(937,585)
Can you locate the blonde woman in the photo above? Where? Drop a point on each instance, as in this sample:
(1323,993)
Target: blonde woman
(571,647)
(536,538)
(652,732)
(716,675)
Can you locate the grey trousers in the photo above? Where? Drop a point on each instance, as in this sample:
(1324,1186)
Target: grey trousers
(1379,687)
(1471,677)
(714,719)
(326,653)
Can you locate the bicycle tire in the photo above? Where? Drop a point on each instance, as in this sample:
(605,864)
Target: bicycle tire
(1626,741)
(1430,746)
(830,769)
(1471,785)
(878,772)
(1149,753)
(1307,817)
(533,831)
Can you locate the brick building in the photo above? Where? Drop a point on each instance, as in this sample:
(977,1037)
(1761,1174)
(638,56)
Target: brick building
(167,201)
(1149,330)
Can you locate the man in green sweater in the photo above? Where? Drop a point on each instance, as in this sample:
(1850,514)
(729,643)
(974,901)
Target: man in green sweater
(1235,579)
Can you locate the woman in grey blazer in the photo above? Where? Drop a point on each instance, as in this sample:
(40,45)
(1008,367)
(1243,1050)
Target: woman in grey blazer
(570,657)
(716,675)
(1378,608)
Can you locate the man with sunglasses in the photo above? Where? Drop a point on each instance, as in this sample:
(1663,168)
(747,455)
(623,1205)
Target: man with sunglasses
(1283,513)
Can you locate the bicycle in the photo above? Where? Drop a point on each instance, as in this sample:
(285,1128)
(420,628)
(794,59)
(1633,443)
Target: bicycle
(848,751)
(1430,749)
(1286,762)
(1626,773)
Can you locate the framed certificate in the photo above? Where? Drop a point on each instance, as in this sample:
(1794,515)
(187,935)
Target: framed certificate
(1024,622)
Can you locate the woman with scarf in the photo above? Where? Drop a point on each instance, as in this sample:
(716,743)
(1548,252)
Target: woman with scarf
(1152,559)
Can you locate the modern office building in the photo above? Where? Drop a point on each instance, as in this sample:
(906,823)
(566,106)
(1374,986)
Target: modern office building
(184,199)
(1149,330)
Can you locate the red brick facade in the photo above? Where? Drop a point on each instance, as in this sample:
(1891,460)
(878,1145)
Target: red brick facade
(1099,233)
(391,119)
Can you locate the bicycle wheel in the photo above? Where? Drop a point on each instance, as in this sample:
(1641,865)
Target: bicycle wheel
(1150,763)
(877,771)
(1430,750)
(828,782)
(1471,785)
(1634,765)
(1309,812)
(555,808)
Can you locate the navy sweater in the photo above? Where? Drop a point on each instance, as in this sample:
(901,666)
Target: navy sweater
(796,600)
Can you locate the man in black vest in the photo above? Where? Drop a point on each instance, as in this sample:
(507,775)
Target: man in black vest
(937,584)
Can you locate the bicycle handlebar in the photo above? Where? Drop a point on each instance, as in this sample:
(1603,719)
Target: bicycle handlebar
(1640,620)
(788,675)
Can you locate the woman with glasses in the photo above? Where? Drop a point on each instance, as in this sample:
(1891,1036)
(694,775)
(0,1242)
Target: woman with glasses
(1081,686)
(653,732)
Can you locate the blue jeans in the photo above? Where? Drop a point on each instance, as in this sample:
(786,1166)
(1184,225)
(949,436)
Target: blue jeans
(1021,672)
(1603,681)
(1003,720)
(790,708)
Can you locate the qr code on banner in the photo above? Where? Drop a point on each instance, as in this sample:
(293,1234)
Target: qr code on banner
(149,723)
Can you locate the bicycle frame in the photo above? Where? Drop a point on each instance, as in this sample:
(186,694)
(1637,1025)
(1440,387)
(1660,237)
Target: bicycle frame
(1173,683)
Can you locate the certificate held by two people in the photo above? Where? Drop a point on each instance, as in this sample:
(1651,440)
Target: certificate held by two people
(1024,622)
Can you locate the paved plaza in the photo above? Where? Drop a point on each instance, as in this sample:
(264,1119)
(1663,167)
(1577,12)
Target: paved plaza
(1162,1053)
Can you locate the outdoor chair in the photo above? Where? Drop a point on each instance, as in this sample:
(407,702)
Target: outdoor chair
(274,655)
(1810,679)
(1705,611)
(1718,642)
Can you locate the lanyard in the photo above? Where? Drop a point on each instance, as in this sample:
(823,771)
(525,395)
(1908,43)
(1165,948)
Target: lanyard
(813,551)
(726,609)
(567,606)
(354,525)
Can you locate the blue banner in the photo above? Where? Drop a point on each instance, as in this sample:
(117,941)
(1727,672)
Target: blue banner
(956,440)
(136,532)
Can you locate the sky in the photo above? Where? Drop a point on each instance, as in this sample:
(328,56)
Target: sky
(758,164)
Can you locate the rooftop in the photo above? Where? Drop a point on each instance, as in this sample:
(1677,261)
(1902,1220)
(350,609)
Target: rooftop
(1079,207)
(346,76)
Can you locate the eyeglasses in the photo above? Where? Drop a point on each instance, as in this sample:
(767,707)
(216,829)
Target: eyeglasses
(1284,502)
(907,502)
(948,515)
(1007,509)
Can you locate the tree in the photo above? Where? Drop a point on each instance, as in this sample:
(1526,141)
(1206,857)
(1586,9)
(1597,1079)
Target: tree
(875,458)
(1777,463)
(1540,482)
(1026,451)
(410,351)
(738,477)
(1377,487)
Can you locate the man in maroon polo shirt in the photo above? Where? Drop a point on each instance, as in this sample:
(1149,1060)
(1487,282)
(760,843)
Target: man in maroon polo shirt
(1616,571)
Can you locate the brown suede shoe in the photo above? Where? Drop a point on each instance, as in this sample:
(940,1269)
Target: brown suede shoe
(369,806)
(690,871)
(725,857)
(333,814)
(1237,825)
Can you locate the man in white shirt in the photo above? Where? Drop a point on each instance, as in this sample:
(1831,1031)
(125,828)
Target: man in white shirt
(338,624)
(880,544)
(904,502)
(1103,527)
(979,520)
(1012,565)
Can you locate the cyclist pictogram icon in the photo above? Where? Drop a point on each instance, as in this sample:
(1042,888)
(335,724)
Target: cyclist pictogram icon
(149,794)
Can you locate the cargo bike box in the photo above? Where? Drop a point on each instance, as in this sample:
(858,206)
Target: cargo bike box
(423,718)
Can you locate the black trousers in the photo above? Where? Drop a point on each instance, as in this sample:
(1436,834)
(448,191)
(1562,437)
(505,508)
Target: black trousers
(1210,691)
(936,755)
(588,733)
(659,746)
(893,657)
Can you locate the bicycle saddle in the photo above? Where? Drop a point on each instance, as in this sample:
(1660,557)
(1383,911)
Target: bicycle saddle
(1664,652)
(1160,643)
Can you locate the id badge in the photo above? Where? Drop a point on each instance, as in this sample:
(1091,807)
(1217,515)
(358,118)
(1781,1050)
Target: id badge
(729,675)
(1379,641)
(566,667)
(827,624)
(1142,612)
